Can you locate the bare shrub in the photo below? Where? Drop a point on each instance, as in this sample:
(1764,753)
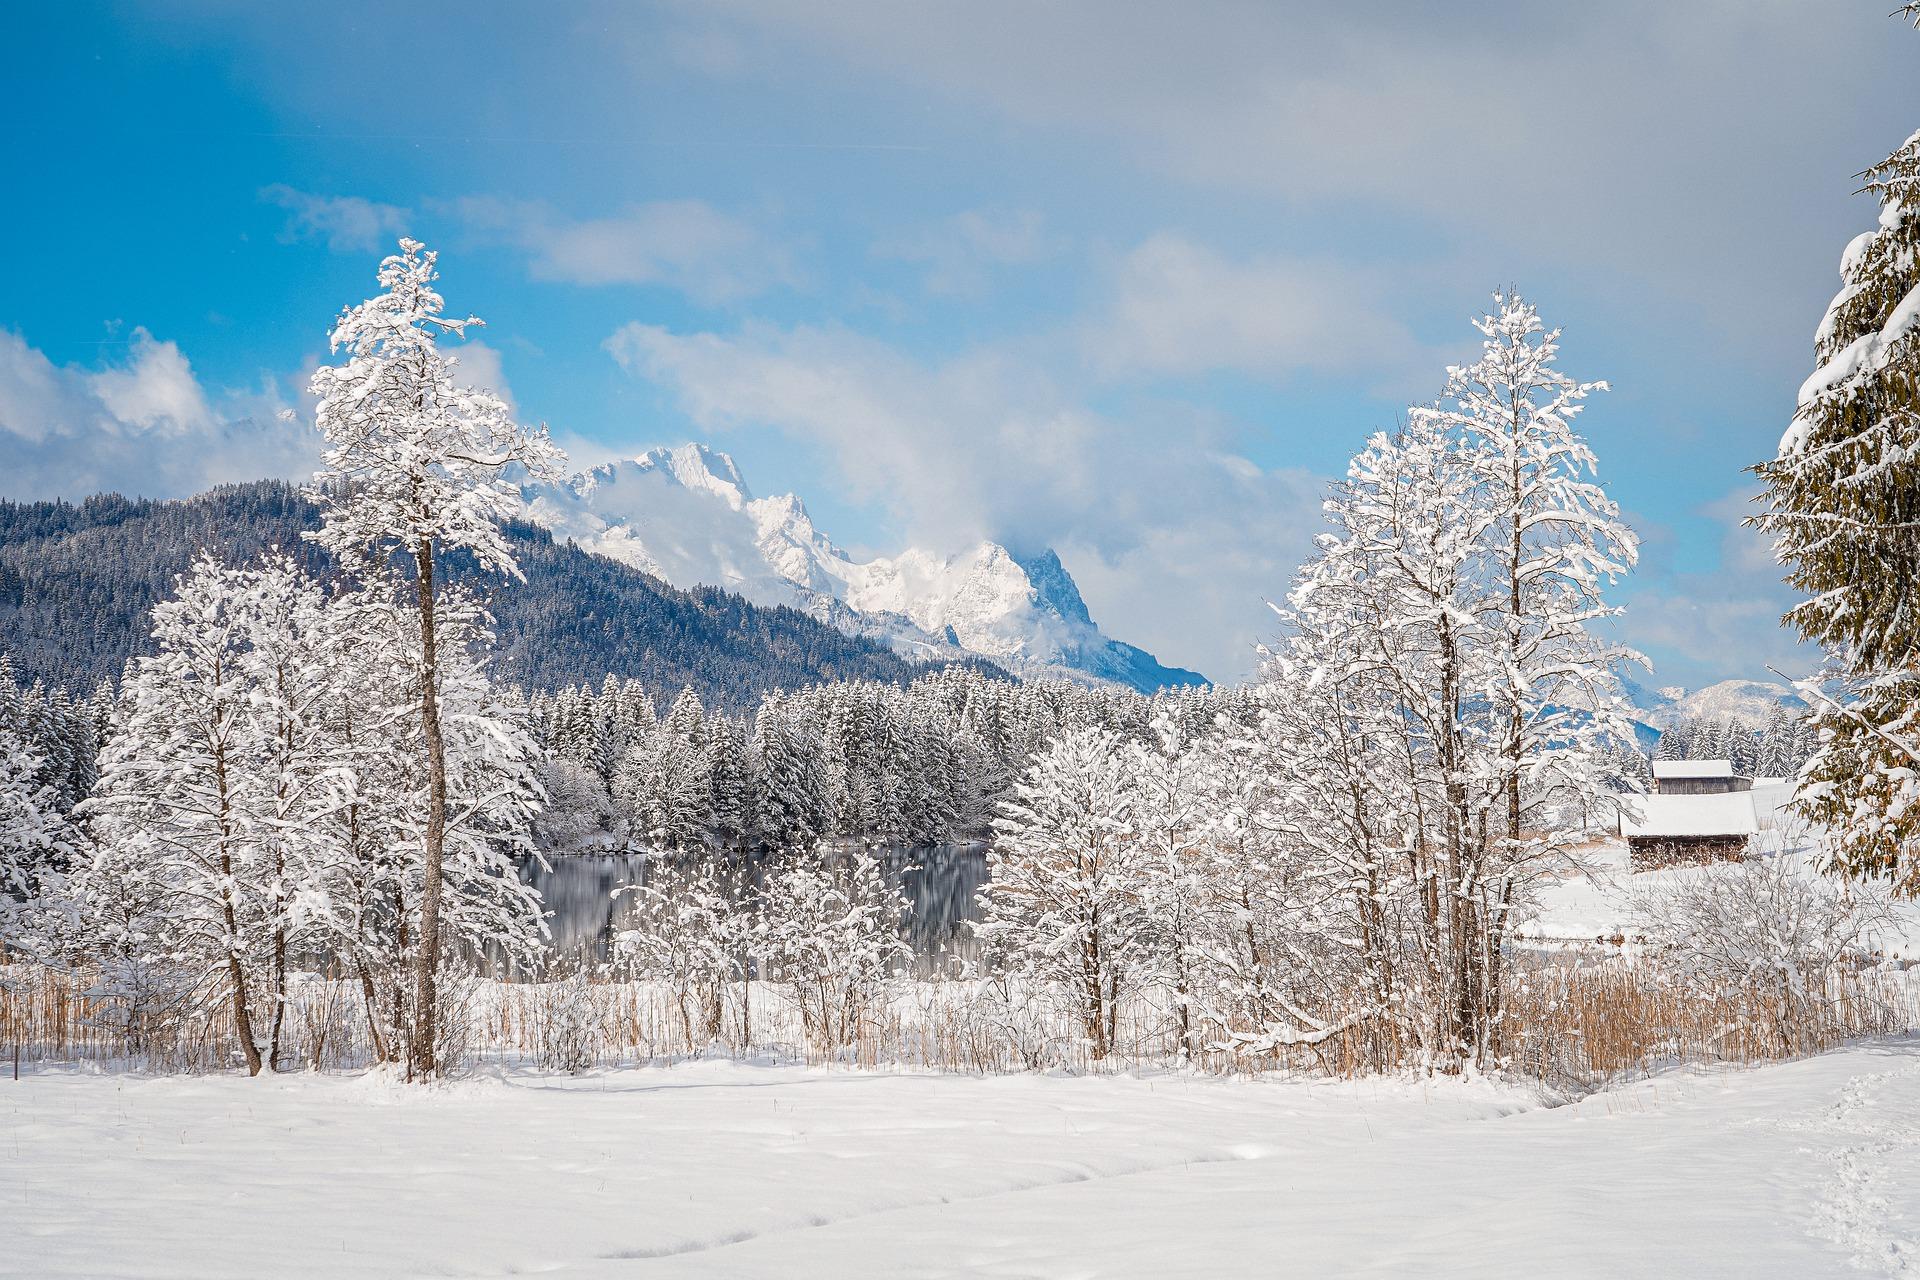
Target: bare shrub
(831,935)
(1767,941)
(574,1019)
(687,932)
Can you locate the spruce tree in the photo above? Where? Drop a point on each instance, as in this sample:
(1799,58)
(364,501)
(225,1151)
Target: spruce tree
(36,842)
(1843,505)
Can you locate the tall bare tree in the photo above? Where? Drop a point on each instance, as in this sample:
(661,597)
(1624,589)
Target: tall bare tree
(418,465)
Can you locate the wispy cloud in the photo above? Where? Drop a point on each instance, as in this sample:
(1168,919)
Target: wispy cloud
(711,256)
(1702,625)
(1179,307)
(690,246)
(348,224)
(478,365)
(962,252)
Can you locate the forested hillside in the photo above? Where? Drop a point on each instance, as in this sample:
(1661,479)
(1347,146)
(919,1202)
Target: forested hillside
(77,582)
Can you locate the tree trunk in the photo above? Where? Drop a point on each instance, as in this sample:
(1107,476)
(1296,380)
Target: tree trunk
(402,1023)
(236,972)
(427,964)
(279,993)
(1185,997)
(280,898)
(242,1017)
(1455,1004)
(746,1004)
(1516,750)
(1496,968)
(372,1000)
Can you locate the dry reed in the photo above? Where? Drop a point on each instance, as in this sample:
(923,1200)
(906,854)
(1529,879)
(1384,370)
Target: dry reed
(1572,1023)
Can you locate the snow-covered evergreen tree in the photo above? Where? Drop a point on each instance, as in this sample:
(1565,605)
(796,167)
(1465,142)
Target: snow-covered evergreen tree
(1843,506)
(730,783)
(579,816)
(663,790)
(37,843)
(787,785)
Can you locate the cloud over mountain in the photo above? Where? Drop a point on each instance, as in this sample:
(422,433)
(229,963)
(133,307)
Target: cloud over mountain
(141,424)
(686,515)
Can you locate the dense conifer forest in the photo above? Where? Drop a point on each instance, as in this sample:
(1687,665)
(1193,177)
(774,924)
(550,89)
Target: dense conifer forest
(77,581)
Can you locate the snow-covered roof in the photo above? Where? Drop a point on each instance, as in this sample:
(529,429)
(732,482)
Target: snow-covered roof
(1771,796)
(1693,768)
(1727,814)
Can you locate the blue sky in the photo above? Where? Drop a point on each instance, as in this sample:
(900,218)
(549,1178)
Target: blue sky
(1129,280)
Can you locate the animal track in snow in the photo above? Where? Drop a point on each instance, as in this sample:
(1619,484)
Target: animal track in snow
(1853,1209)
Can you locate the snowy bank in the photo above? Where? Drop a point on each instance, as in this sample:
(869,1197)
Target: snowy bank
(723,1170)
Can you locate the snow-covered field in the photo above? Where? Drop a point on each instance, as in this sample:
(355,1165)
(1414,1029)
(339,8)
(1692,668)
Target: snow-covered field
(1802,1169)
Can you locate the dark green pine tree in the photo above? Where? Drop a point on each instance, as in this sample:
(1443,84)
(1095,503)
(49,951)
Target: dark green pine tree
(1843,505)
(786,782)
(730,782)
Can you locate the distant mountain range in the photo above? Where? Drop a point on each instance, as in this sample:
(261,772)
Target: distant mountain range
(77,582)
(687,516)
(1745,702)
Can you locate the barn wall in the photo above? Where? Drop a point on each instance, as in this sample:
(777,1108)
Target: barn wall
(1702,786)
(1647,853)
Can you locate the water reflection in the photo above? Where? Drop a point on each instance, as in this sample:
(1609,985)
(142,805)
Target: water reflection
(586,908)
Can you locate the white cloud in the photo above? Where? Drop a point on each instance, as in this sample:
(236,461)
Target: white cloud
(347,223)
(1179,307)
(1711,632)
(479,367)
(1198,587)
(961,252)
(687,245)
(155,390)
(584,454)
(1705,625)
(1676,146)
(141,426)
(909,434)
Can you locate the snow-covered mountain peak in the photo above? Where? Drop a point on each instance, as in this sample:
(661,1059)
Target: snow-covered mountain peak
(1055,586)
(696,467)
(686,515)
(1744,702)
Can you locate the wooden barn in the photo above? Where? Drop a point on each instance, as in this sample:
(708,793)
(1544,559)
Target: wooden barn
(1674,830)
(1697,778)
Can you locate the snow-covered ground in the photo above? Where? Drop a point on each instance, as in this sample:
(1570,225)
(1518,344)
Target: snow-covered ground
(1600,904)
(1802,1169)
